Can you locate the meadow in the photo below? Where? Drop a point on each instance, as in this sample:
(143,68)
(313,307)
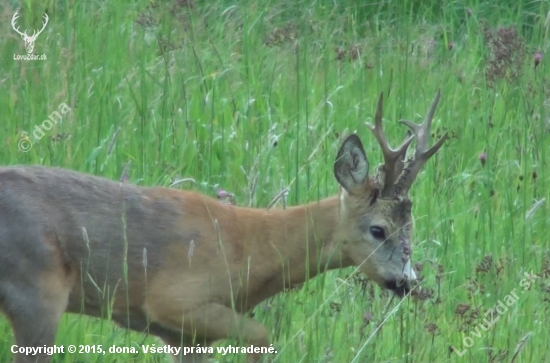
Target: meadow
(253,97)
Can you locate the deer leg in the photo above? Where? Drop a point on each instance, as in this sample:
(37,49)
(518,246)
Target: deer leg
(213,322)
(177,341)
(34,312)
(35,282)
(169,337)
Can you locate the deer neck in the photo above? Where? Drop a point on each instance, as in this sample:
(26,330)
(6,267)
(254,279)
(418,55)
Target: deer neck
(295,244)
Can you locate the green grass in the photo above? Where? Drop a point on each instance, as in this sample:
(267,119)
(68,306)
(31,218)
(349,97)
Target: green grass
(197,93)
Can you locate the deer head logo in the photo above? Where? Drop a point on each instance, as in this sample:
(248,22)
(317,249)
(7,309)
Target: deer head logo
(29,40)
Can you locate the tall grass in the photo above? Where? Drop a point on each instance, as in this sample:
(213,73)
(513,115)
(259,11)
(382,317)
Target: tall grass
(255,96)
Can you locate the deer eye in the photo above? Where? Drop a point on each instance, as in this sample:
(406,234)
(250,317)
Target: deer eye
(378,232)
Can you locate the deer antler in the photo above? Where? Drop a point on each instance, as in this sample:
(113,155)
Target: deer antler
(422,152)
(24,35)
(35,34)
(393,163)
(13,19)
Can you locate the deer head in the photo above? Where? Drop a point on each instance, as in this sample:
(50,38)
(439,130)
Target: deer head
(29,40)
(376,211)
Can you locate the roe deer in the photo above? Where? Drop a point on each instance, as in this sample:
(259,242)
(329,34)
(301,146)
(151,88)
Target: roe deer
(181,265)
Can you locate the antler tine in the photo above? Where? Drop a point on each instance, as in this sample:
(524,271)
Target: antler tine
(14,26)
(422,152)
(46,18)
(37,33)
(393,163)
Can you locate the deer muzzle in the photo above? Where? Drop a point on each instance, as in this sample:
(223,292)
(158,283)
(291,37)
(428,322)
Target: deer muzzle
(409,272)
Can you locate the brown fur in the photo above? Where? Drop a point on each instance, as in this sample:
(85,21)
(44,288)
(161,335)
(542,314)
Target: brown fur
(65,237)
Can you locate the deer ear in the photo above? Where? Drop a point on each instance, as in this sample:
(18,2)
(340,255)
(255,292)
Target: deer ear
(351,167)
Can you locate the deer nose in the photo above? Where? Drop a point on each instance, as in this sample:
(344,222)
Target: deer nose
(409,272)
